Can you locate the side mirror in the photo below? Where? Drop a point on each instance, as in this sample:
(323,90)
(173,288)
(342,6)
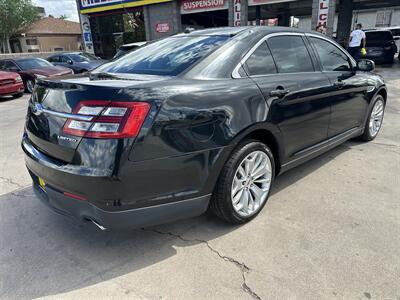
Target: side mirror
(365,65)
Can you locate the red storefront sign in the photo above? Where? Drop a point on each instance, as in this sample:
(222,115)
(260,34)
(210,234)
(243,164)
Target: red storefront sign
(162,27)
(323,10)
(188,6)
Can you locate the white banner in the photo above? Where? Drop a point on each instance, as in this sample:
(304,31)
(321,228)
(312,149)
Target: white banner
(323,10)
(87,34)
(237,12)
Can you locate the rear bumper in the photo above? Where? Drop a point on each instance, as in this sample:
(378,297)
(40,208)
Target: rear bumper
(102,194)
(127,219)
(11,89)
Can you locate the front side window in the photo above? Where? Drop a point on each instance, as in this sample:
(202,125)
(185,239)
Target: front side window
(260,62)
(168,57)
(65,59)
(331,57)
(290,54)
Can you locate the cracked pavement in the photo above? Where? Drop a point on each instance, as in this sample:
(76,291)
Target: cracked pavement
(331,230)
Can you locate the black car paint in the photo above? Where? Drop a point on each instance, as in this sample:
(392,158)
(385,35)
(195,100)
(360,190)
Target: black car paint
(196,120)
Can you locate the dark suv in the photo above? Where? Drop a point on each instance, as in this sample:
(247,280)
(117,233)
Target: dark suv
(197,120)
(381,46)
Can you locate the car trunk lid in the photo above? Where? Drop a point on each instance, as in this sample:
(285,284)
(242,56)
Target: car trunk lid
(55,103)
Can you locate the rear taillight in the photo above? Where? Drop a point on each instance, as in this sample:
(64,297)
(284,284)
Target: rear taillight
(110,119)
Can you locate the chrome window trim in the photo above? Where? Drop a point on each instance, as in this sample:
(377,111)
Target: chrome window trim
(235,73)
(39,109)
(334,44)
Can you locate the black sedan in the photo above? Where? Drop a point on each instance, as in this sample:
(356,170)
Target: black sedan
(197,120)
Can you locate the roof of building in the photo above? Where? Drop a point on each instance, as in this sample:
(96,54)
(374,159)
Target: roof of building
(50,25)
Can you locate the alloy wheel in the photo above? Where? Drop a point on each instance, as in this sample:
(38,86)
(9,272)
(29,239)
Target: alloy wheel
(376,118)
(30,85)
(251,183)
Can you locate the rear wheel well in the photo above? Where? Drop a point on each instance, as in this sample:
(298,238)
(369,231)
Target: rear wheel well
(268,139)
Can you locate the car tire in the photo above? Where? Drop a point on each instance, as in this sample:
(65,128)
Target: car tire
(29,85)
(235,188)
(375,119)
(19,95)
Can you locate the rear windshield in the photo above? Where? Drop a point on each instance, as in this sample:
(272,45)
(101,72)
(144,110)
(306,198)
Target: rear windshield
(379,36)
(168,57)
(34,63)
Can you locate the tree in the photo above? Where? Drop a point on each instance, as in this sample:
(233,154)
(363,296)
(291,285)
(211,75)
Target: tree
(14,16)
(63,17)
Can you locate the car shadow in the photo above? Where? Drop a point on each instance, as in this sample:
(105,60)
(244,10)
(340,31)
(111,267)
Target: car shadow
(42,253)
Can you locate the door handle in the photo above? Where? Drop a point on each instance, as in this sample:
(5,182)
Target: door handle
(279,93)
(339,84)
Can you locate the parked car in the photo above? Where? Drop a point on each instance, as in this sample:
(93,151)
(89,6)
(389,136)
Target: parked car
(11,84)
(381,46)
(396,35)
(197,120)
(30,69)
(79,62)
(127,48)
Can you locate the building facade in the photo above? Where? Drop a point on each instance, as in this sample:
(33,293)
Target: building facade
(107,24)
(47,35)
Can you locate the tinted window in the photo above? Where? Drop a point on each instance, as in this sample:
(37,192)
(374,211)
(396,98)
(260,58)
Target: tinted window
(378,36)
(261,62)
(54,59)
(9,65)
(290,54)
(331,57)
(169,56)
(34,63)
(2,67)
(395,32)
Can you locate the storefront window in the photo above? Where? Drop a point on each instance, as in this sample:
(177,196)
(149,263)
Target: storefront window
(109,32)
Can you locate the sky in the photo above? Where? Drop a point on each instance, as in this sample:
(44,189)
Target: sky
(59,7)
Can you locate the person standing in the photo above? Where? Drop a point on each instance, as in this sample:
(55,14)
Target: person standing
(357,42)
(321,29)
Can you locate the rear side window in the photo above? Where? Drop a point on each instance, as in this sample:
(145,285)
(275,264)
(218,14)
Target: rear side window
(169,56)
(331,57)
(261,62)
(290,54)
(54,59)
(9,65)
